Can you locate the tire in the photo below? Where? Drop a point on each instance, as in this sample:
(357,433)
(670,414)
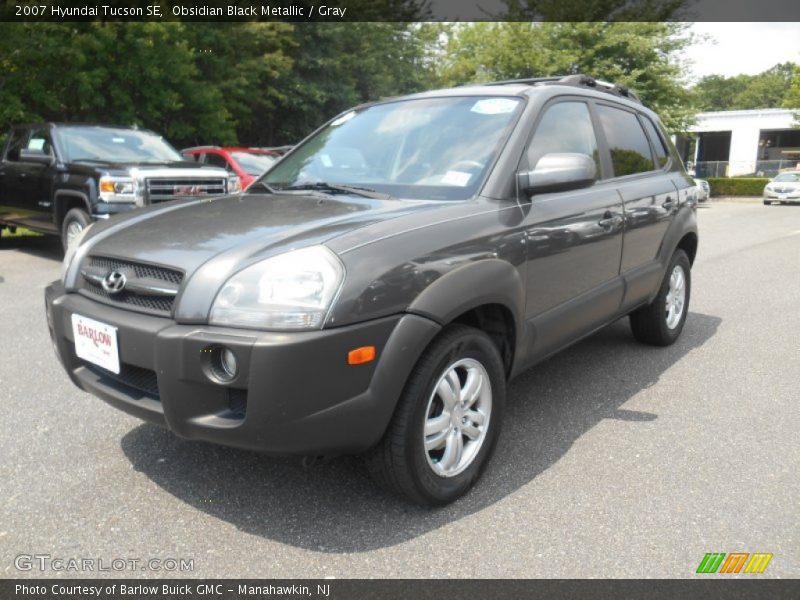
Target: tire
(401,463)
(74,221)
(767,203)
(654,324)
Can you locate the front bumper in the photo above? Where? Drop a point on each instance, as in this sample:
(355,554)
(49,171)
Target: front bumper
(787,197)
(294,392)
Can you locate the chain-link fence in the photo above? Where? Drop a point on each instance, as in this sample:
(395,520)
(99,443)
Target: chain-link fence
(753,168)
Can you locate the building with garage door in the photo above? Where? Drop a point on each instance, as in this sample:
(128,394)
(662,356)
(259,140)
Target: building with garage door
(742,142)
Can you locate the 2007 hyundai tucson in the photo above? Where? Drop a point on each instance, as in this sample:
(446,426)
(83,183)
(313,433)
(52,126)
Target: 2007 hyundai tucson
(376,289)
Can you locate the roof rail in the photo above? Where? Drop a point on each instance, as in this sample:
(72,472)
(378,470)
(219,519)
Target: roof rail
(579,80)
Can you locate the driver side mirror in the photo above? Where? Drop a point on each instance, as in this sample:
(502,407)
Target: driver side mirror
(35,156)
(558,172)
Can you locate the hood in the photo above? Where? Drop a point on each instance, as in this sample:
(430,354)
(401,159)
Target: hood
(211,239)
(101,167)
(188,234)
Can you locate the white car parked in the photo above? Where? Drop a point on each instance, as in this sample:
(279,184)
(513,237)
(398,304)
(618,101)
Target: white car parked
(703,189)
(784,188)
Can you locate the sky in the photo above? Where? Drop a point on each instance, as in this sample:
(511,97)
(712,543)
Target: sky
(736,48)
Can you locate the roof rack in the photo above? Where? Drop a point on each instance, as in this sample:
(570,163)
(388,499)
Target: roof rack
(576,80)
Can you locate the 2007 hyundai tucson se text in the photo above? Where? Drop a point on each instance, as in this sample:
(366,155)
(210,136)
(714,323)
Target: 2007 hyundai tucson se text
(377,288)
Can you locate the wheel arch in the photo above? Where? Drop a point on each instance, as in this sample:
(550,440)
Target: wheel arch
(488,295)
(66,200)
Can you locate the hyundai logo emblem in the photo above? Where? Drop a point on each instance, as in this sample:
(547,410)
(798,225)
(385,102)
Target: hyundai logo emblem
(114,282)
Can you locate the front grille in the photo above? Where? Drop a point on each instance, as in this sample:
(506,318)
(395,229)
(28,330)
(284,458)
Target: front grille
(141,277)
(162,189)
(137,378)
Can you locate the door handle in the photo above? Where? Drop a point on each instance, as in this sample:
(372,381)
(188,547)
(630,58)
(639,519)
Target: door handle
(609,220)
(668,204)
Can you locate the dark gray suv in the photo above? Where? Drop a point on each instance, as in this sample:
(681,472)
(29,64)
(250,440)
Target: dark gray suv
(377,288)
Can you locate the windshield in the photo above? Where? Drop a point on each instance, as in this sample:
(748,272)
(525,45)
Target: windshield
(108,144)
(253,164)
(432,148)
(795,177)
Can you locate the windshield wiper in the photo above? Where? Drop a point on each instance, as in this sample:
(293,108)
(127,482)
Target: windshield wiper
(263,186)
(324,186)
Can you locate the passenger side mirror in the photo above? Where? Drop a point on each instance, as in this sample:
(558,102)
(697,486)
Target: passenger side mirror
(35,156)
(558,172)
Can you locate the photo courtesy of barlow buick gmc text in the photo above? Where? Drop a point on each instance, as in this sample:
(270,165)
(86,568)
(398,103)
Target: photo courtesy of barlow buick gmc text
(399,299)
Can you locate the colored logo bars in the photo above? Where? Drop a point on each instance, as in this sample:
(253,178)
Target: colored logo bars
(736,562)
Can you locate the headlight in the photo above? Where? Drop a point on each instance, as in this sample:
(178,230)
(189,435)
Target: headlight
(72,248)
(289,291)
(234,184)
(117,189)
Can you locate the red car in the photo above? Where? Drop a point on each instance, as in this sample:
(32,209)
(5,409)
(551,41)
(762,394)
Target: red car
(247,163)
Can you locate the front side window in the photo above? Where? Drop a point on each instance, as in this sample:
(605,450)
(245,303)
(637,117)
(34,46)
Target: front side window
(217,161)
(40,143)
(429,148)
(565,127)
(113,145)
(630,150)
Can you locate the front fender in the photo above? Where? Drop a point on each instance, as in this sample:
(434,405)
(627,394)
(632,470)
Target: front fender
(490,281)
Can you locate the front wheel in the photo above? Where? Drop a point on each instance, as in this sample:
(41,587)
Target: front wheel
(75,221)
(447,420)
(661,322)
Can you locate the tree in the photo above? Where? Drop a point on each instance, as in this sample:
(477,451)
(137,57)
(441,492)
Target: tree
(642,56)
(744,92)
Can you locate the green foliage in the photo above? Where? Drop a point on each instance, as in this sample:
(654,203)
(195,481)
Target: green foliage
(274,82)
(770,89)
(792,99)
(737,186)
(224,83)
(642,56)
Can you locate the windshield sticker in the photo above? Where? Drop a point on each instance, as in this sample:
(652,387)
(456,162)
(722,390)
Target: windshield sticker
(118,140)
(494,106)
(458,178)
(344,118)
(325,160)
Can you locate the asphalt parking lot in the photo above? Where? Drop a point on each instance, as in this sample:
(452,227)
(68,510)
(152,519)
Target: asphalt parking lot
(616,460)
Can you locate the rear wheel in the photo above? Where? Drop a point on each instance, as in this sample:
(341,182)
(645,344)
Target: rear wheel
(661,322)
(447,420)
(75,221)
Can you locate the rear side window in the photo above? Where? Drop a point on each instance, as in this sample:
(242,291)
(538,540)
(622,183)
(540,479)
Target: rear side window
(565,127)
(658,142)
(15,144)
(630,150)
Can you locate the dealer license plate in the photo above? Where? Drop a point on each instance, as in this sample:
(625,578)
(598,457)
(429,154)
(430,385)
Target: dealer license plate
(96,342)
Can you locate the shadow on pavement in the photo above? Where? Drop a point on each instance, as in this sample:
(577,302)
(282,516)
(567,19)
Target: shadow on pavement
(334,507)
(43,246)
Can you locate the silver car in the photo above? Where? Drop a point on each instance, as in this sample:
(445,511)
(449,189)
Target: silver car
(784,188)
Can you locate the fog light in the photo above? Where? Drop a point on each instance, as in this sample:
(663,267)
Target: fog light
(220,364)
(230,367)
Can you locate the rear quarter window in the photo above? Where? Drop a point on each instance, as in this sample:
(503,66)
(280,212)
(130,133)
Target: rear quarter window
(662,156)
